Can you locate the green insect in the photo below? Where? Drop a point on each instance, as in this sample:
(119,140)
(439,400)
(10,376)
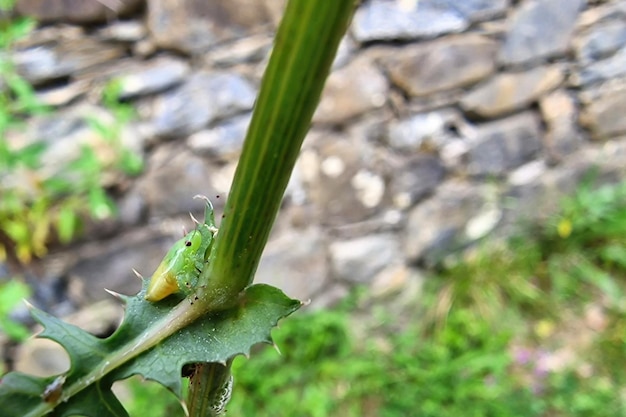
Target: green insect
(180,268)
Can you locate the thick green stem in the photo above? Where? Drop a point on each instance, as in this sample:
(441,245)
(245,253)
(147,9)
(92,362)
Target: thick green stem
(209,390)
(306,44)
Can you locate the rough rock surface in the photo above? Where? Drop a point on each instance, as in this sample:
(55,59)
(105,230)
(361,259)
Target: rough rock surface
(504,144)
(77,11)
(525,42)
(194,26)
(604,109)
(390,20)
(508,92)
(351,91)
(430,67)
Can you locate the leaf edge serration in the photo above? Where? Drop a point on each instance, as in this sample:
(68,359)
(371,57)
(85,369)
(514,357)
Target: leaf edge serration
(216,337)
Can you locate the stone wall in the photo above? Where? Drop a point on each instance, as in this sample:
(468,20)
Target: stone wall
(444,121)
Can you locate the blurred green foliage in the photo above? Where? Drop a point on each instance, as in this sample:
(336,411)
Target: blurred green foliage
(38,207)
(485,338)
(144,397)
(11,293)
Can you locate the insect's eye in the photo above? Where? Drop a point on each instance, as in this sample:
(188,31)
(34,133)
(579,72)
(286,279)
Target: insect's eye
(188,243)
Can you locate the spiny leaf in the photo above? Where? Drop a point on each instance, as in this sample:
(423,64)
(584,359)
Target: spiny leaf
(97,363)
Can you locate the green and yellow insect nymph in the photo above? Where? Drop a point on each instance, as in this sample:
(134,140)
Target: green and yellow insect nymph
(180,268)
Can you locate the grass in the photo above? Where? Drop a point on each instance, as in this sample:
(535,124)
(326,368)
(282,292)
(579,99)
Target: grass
(535,327)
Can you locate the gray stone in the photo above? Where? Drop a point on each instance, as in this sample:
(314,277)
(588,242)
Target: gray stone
(75,11)
(222,179)
(296,263)
(40,64)
(560,115)
(182,174)
(537,196)
(601,14)
(359,260)
(427,68)
(601,41)
(604,109)
(436,227)
(415,178)
(373,128)
(540,29)
(141,250)
(144,48)
(391,280)
(222,141)
(202,99)
(612,67)
(246,50)
(380,20)
(609,160)
(194,26)
(478,10)
(131,208)
(41,357)
(342,187)
(152,77)
(329,298)
(448,98)
(425,130)
(350,91)
(124,31)
(49,35)
(63,95)
(530,196)
(347,47)
(508,92)
(67,58)
(504,144)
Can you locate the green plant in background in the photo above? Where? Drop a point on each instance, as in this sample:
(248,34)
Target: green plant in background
(479,342)
(594,219)
(148,398)
(12,293)
(36,206)
(199,334)
(123,159)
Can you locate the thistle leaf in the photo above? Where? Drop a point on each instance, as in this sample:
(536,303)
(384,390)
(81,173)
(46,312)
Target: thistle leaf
(96,363)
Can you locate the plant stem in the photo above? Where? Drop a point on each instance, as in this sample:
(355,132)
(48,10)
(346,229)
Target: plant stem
(209,390)
(305,46)
(304,49)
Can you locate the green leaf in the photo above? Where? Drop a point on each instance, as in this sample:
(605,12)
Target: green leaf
(99,126)
(16,230)
(67,223)
(139,347)
(100,204)
(131,163)
(12,293)
(57,185)
(30,155)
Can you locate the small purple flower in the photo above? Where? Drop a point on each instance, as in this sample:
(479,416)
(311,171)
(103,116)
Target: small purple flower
(522,356)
